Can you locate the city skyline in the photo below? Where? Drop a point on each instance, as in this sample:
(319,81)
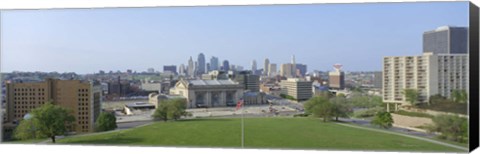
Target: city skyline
(147,38)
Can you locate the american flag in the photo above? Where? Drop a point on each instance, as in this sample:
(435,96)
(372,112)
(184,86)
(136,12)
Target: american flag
(239,104)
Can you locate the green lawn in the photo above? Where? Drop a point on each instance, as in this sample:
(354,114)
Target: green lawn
(285,133)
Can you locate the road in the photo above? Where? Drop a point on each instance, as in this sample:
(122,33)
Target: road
(127,125)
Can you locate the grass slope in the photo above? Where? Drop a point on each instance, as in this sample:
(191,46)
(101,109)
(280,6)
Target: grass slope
(285,133)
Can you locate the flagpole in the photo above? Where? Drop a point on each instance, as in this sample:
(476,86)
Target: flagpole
(243,131)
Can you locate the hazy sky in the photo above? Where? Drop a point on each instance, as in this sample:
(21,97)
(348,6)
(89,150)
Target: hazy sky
(89,40)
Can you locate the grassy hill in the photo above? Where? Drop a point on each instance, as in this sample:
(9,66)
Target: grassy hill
(278,133)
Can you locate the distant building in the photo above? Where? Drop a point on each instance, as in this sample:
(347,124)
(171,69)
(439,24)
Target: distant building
(265,67)
(429,74)
(201,64)
(254,98)
(301,70)
(149,70)
(225,66)
(208,93)
(170,68)
(297,88)
(377,79)
(131,108)
(272,69)
(190,68)
(336,79)
(254,66)
(118,88)
(446,40)
(83,98)
(249,81)
(151,86)
(181,70)
(156,99)
(286,70)
(214,63)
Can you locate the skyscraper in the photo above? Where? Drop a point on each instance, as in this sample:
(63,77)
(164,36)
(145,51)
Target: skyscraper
(190,69)
(254,66)
(446,40)
(170,68)
(265,66)
(293,67)
(272,69)
(214,63)
(226,65)
(181,70)
(201,64)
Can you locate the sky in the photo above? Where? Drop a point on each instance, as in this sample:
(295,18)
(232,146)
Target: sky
(357,36)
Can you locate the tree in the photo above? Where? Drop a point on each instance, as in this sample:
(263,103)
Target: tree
(411,95)
(49,120)
(383,120)
(106,121)
(451,127)
(459,96)
(341,108)
(319,107)
(171,109)
(176,108)
(27,130)
(161,112)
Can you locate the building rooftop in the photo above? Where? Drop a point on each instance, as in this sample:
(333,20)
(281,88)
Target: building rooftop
(140,104)
(212,82)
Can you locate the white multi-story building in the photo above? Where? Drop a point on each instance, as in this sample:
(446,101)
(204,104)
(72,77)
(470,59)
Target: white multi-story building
(298,88)
(429,74)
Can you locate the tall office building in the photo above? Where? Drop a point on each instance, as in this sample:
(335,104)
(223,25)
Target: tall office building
(81,97)
(226,65)
(301,70)
(429,74)
(265,66)
(191,67)
(181,70)
(214,63)
(272,69)
(201,64)
(298,88)
(336,79)
(446,40)
(170,68)
(286,70)
(208,68)
(249,81)
(254,66)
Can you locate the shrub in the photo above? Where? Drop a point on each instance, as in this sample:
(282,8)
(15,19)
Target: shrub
(383,120)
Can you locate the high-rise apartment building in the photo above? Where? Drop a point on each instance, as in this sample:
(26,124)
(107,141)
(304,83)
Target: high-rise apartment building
(298,88)
(446,40)
(81,97)
(429,74)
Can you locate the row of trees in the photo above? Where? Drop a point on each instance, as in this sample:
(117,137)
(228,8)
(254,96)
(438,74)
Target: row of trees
(457,96)
(339,106)
(327,108)
(51,120)
(450,127)
(171,109)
